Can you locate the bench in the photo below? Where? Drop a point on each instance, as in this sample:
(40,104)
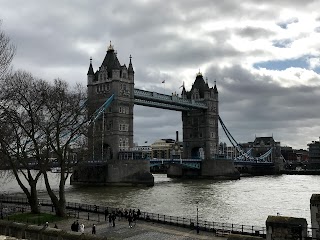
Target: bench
(222,232)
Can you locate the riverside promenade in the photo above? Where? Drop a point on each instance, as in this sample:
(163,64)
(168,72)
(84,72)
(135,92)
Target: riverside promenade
(142,230)
(148,226)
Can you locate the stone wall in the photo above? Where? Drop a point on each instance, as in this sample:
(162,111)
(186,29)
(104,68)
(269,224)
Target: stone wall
(32,232)
(243,237)
(315,215)
(219,169)
(281,227)
(122,172)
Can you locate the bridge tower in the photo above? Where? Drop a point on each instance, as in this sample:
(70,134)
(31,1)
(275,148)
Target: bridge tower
(113,131)
(200,127)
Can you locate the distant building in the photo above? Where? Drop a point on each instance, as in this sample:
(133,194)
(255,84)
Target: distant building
(294,155)
(167,149)
(314,154)
(135,153)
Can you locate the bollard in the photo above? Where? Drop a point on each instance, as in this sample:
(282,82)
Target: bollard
(88,216)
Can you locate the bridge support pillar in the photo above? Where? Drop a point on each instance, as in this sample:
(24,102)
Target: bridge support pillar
(180,171)
(175,171)
(124,172)
(315,215)
(280,227)
(219,169)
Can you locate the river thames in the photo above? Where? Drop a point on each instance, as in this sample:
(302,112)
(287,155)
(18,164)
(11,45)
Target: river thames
(246,201)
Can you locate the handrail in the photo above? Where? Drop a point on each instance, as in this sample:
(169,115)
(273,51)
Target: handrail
(97,211)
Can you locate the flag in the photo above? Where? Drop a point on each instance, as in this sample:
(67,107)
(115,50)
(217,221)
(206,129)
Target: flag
(163,81)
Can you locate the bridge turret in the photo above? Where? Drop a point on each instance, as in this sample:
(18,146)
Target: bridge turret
(200,127)
(114,132)
(131,71)
(90,74)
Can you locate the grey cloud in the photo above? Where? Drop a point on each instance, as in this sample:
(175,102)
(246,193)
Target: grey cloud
(284,24)
(254,32)
(46,34)
(252,104)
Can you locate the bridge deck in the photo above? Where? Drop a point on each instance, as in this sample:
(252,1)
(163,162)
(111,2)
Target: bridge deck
(171,102)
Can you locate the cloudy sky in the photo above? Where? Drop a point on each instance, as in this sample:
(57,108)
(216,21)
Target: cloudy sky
(264,56)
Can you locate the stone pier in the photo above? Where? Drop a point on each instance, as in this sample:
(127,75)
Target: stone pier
(281,228)
(117,173)
(315,215)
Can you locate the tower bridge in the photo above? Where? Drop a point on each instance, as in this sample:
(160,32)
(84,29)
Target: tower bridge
(110,103)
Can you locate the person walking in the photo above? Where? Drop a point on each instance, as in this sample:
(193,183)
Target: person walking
(130,220)
(82,228)
(110,220)
(93,229)
(113,220)
(77,227)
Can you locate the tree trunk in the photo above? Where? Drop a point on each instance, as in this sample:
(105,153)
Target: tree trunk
(32,195)
(59,204)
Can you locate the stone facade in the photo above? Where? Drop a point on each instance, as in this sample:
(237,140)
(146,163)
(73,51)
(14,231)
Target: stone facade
(315,215)
(33,232)
(280,228)
(113,130)
(200,127)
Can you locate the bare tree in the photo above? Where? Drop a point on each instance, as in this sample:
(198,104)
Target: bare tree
(65,130)
(20,109)
(40,122)
(7,51)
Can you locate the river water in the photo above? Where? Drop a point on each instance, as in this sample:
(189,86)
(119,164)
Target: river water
(246,201)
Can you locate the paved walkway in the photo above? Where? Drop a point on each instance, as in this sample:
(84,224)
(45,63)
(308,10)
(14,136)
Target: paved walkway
(142,230)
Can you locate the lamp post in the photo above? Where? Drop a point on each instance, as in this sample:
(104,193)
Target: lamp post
(197,218)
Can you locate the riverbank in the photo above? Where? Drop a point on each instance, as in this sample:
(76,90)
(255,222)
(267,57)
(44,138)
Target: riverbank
(301,172)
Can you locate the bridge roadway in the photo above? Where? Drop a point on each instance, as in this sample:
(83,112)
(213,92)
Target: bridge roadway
(171,102)
(192,163)
(196,163)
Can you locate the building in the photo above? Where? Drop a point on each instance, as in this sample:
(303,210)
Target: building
(314,154)
(113,131)
(167,149)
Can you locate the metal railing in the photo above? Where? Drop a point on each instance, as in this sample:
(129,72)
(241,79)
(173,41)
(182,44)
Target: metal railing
(99,213)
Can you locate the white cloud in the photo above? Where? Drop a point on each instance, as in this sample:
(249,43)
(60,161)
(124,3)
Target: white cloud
(314,62)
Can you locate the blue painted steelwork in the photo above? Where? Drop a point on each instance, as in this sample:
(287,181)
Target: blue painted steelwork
(171,102)
(246,157)
(100,110)
(190,163)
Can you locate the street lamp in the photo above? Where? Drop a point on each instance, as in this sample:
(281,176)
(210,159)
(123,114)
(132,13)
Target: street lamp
(197,218)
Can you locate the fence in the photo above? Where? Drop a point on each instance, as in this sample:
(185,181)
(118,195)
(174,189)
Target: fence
(99,213)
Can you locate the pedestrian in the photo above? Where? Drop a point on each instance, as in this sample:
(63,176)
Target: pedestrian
(135,217)
(113,220)
(93,229)
(130,220)
(110,220)
(55,226)
(82,228)
(76,228)
(138,213)
(73,226)
(106,213)
(46,224)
